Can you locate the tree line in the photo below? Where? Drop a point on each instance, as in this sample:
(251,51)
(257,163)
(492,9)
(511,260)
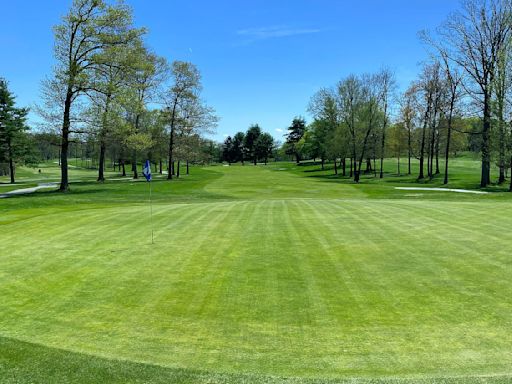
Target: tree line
(461,99)
(253,145)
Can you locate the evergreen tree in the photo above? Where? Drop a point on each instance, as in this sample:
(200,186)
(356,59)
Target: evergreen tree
(251,137)
(295,132)
(264,146)
(13,140)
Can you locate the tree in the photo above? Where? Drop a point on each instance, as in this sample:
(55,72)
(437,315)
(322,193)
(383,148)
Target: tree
(185,110)
(238,147)
(89,27)
(429,88)
(227,150)
(474,39)
(185,88)
(397,141)
(386,84)
(12,129)
(264,146)
(251,137)
(295,132)
(111,81)
(350,99)
(358,100)
(331,140)
(149,72)
(408,115)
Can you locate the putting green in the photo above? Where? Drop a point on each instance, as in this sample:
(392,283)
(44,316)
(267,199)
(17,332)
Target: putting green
(289,287)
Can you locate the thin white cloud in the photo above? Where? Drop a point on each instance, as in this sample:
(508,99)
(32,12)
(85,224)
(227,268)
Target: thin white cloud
(263,33)
(279,130)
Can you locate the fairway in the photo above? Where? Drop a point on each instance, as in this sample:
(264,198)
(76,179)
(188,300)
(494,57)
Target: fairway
(262,271)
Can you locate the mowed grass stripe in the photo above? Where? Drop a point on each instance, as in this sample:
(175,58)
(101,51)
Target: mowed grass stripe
(278,325)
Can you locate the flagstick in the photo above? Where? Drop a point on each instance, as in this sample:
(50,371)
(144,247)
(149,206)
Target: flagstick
(151,214)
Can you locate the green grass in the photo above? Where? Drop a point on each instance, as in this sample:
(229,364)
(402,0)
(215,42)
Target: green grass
(257,274)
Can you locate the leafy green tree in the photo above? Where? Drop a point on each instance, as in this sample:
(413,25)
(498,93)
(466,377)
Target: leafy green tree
(227,150)
(238,147)
(264,146)
(149,72)
(251,137)
(89,27)
(397,141)
(186,112)
(295,133)
(114,77)
(13,139)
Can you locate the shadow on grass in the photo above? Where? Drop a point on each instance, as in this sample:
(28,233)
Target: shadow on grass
(24,362)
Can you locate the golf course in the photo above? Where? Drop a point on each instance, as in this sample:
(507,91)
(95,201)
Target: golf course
(259,274)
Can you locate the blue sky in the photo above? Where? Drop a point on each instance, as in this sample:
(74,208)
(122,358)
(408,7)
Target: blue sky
(261,60)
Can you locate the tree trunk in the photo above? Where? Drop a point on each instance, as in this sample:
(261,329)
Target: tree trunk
(12,169)
(409,149)
(171,159)
(101,175)
(188,173)
(502,142)
(448,141)
(431,152)
(510,188)
(64,146)
(423,137)
(160,167)
(368,165)
(382,148)
(351,173)
(171,141)
(437,152)
(344,161)
(178,170)
(486,155)
(103,133)
(335,166)
(134,165)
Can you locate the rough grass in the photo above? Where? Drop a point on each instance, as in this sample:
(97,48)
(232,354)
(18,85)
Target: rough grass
(257,274)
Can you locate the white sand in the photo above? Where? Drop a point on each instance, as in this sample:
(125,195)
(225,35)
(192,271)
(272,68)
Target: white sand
(24,191)
(442,190)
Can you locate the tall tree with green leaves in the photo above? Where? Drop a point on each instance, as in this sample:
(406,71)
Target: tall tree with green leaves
(150,73)
(264,146)
(111,80)
(386,84)
(88,28)
(295,133)
(185,112)
(238,147)
(12,129)
(251,137)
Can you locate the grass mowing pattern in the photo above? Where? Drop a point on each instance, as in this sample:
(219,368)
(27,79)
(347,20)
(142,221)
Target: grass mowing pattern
(284,276)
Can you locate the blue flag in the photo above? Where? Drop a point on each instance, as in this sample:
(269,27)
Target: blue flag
(146,171)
